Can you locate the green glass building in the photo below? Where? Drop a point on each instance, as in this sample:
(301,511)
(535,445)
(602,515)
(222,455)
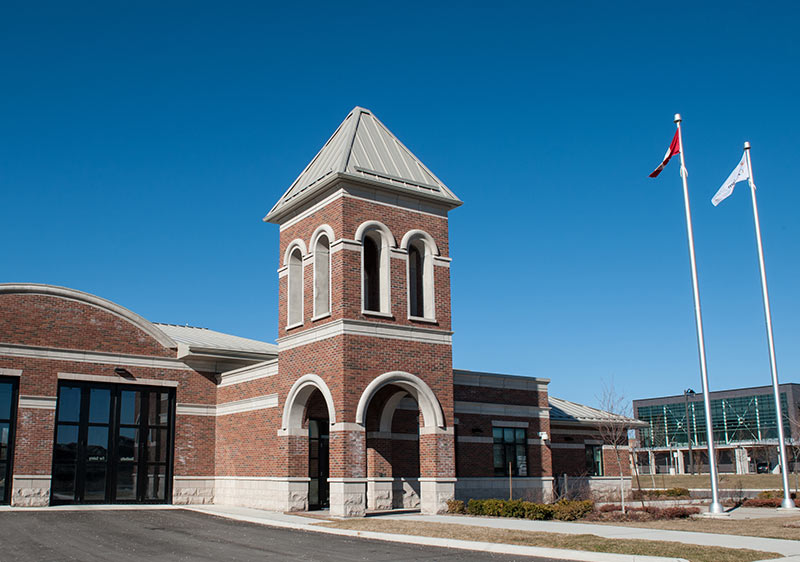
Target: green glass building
(744,425)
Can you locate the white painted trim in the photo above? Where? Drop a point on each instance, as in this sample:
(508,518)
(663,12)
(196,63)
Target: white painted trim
(506,423)
(366,226)
(296,243)
(293,326)
(441,261)
(294,407)
(493,409)
(321,317)
(195,410)
(92,357)
(421,319)
(492,380)
(249,373)
(376,313)
(428,403)
(387,243)
(405,208)
(326,231)
(113,308)
(389,408)
(116,380)
(10,372)
(248,405)
(470,439)
(365,328)
(436,431)
(345,244)
(38,402)
(283,271)
(313,209)
(413,234)
(346,426)
(393,436)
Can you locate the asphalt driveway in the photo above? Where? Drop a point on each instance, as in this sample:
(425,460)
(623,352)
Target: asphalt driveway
(179,535)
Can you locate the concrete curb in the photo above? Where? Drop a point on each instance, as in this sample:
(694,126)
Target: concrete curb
(490,547)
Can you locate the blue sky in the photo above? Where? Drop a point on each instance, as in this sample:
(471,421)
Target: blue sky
(143,142)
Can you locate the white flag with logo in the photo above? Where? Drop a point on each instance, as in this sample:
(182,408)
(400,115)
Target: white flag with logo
(739,173)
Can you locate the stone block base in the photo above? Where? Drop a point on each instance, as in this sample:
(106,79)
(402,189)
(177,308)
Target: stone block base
(193,490)
(380,493)
(31,491)
(406,493)
(435,494)
(348,497)
(535,489)
(273,494)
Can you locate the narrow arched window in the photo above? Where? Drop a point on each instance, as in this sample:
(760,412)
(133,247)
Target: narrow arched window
(322,277)
(294,302)
(416,293)
(372,272)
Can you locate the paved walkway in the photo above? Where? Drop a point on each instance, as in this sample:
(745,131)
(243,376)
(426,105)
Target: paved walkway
(785,547)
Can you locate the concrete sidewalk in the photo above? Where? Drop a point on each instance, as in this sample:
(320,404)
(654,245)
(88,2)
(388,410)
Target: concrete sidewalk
(781,546)
(784,547)
(311,524)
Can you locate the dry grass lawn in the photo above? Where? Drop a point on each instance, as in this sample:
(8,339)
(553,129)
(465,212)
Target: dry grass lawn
(771,528)
(589,543)
(727,481)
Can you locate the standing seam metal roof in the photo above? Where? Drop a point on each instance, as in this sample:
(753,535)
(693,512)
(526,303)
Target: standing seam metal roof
(204,338)
(564,410)
(363,147)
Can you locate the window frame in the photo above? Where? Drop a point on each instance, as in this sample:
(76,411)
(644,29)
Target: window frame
(520,440)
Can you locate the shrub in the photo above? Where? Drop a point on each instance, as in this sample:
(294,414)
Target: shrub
(766,502)
(678,512)
(538,511)
(455,506)
(676,492)
(571,510)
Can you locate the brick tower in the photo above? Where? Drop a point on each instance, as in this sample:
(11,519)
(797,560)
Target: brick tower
(365,373)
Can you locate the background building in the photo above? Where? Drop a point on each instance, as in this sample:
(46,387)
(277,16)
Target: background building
(744,425)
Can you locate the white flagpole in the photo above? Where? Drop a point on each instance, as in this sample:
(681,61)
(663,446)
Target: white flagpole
(787,502)
(716,506)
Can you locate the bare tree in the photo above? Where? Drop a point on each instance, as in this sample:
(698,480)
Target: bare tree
(614,428)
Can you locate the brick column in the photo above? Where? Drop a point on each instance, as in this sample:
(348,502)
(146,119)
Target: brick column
(437,469)
(33,451)
(348,479)
(379,471)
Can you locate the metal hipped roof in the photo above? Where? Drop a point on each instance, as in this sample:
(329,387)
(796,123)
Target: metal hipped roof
(212,341)
(571,412)
(363,148)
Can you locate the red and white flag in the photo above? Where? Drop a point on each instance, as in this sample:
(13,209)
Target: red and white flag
(674,148)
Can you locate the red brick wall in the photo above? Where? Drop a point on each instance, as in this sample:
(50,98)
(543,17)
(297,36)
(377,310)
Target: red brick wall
(51,321)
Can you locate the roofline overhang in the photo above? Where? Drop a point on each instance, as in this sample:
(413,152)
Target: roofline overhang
(277,213)
(189,352)
(631,424)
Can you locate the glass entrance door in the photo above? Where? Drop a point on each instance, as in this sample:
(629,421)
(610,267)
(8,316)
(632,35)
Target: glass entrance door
(113,444)
(318,459)
(8,414)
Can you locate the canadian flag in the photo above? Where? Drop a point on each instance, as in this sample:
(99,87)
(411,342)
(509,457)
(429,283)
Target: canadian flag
(674,148)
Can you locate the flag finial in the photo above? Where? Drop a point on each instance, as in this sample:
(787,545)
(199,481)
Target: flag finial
(677,118)
(747,145)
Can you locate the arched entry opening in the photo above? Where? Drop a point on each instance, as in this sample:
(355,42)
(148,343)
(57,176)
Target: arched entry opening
(307,417)
(409,450)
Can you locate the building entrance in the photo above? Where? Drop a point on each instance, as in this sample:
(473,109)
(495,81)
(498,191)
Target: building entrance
(8,411)
(318,463)
(113,444)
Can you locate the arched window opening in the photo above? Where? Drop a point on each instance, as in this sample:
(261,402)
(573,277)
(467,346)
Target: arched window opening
(295,289)
(421,250)
(372,272)
(322,277)
(416,293)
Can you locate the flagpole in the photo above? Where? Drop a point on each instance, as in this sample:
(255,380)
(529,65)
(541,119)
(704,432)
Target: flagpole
(716,506)
(787,502)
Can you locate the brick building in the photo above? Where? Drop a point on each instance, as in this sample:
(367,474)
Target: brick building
(357,407)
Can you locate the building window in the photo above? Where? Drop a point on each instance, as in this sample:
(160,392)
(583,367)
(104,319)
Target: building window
(594,460)
(294,301)
(421,249)
(510,451)
(375,272)
(322,277)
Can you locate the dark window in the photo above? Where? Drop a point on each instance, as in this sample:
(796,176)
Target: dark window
(8,402)
(510,451)
(372,273)
(113,443)
(416,294)
(594,460)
